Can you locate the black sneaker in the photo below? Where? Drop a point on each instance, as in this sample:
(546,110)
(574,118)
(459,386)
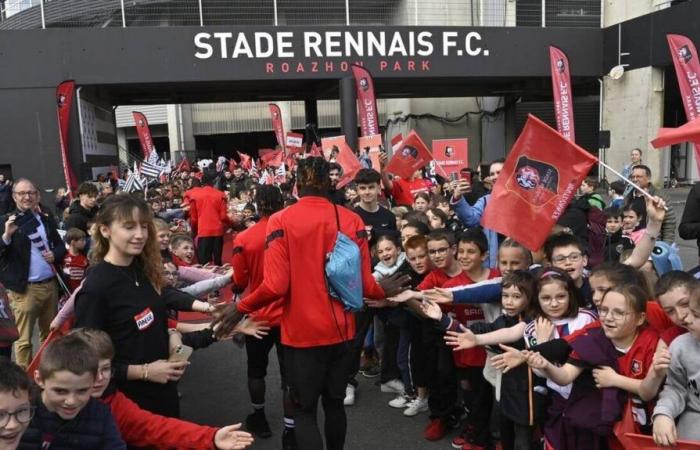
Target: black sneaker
(289,439)
(257,424)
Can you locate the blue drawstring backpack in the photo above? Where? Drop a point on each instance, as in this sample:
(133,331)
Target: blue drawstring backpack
(344,270)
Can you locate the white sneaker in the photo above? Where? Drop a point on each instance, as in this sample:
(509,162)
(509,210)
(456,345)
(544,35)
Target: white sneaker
(349,395)
(416,406)
(393,386)
(401,401)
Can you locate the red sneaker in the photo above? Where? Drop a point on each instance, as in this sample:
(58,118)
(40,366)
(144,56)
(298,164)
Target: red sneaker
(435,430)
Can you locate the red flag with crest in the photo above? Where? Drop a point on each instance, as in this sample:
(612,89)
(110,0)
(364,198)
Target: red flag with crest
(64,100)
(561,87)
(412,155)
(272,159)
(685,60)
(537,182)
(350,164)
(277,124)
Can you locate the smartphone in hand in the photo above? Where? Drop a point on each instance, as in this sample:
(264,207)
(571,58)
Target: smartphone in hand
(182,353)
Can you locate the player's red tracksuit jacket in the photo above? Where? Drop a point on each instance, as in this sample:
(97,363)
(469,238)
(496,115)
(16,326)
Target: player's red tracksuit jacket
(207,211)
(247,262)
(298,239)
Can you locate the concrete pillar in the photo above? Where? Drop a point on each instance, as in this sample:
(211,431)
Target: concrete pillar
(633,112)
(180,131)
(348,111)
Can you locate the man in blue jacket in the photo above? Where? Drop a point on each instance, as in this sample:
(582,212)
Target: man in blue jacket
(30,246)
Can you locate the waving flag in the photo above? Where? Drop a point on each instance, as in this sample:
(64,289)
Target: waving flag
(412,155)
(561,86)
(690,132)
(685,60)
(145,138)
(537,182)
(350,164)
(272,159)
(246,161)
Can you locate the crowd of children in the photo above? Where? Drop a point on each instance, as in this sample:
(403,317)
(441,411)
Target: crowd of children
(584,343)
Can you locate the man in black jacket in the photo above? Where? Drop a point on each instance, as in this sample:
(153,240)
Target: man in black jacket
(83,210)
(29,247)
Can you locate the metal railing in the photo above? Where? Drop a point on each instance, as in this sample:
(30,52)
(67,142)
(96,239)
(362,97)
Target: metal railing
(33,14)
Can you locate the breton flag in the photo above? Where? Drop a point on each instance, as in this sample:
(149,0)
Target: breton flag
(412,155)
(538,180)
(133,183)
(149,170)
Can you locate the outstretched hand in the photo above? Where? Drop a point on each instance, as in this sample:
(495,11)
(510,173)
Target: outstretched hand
(461,341)
(510,359)
(231,438)
(226,317)
(395,284)
(439,295)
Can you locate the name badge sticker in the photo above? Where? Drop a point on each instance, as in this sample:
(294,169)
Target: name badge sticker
(144,319)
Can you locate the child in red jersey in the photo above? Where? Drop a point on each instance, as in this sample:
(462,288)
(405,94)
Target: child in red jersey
(75,262)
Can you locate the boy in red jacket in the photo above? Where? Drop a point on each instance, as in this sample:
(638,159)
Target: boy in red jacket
(141,428)
(316,330)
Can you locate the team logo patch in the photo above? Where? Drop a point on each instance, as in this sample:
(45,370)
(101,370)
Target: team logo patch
(684,54)
(636,367)
(561,67)
(409,152)
(144,319)
(534,181)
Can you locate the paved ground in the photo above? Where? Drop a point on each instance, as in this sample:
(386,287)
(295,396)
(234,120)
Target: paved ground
(214,391)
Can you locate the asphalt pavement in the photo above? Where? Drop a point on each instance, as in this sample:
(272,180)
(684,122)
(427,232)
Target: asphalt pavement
(214,390)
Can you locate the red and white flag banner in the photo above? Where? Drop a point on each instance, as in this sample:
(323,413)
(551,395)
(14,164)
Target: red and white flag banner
(538,180)
(277,124)
(412,155)
(685,60)
(64,100)
(366,101)
(144,133)
(350,164)
(295,142)
(451,155)
(563,96)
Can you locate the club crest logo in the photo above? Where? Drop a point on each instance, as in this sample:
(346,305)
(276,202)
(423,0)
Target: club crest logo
(61,100)
(636,367)
(534,181)
(409,152)
(141,124)
(449,151)
(364,84)
(684,54)
(561,66)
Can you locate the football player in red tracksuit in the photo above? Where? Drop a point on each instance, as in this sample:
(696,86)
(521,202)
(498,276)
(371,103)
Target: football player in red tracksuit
(247,261)
(316,330)
(208,218)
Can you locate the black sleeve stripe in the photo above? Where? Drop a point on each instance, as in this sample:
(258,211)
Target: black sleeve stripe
(274,235)
(362,234)
(237,250)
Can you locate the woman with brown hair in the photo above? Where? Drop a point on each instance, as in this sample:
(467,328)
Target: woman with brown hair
(121,295)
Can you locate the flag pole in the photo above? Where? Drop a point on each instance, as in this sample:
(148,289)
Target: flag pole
(628,181)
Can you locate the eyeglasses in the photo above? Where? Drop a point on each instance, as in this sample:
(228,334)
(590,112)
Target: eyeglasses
(438,251)
(23,415)
(615,314)
(170,274)
(573,257)
(26,193)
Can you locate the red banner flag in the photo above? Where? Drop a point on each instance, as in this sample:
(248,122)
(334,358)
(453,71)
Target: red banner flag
(412,155)
(246,161)
(184,165)
(348,161)
(537,182)
(690,132)
(144,135)
(64,100)
(561,86)
(277,124)
(451,155)
(685,60)
(272,159)
(366,101)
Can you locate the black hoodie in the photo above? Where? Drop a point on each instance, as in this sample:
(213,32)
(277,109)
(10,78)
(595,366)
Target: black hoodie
(78,217)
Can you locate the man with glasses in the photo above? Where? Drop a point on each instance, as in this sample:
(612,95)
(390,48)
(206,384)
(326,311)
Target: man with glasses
(30,247)
(15,409)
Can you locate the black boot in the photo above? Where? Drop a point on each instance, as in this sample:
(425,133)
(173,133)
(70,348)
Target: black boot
(289,440)
(257,424)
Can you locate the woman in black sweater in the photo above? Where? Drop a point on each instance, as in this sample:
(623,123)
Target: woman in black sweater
(122,296)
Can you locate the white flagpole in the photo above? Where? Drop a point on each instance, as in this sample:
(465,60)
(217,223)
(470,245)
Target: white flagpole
(630,182)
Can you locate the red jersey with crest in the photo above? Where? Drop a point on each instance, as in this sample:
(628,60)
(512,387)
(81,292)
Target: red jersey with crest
(404,191)
(466,314)
(74,267)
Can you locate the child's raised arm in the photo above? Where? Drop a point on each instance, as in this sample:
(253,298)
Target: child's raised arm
(467,339)
(562,376)
(655,377)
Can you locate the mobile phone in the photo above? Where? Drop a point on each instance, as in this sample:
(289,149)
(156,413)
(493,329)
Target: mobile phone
(485,170)
(182,353)
(467,176)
